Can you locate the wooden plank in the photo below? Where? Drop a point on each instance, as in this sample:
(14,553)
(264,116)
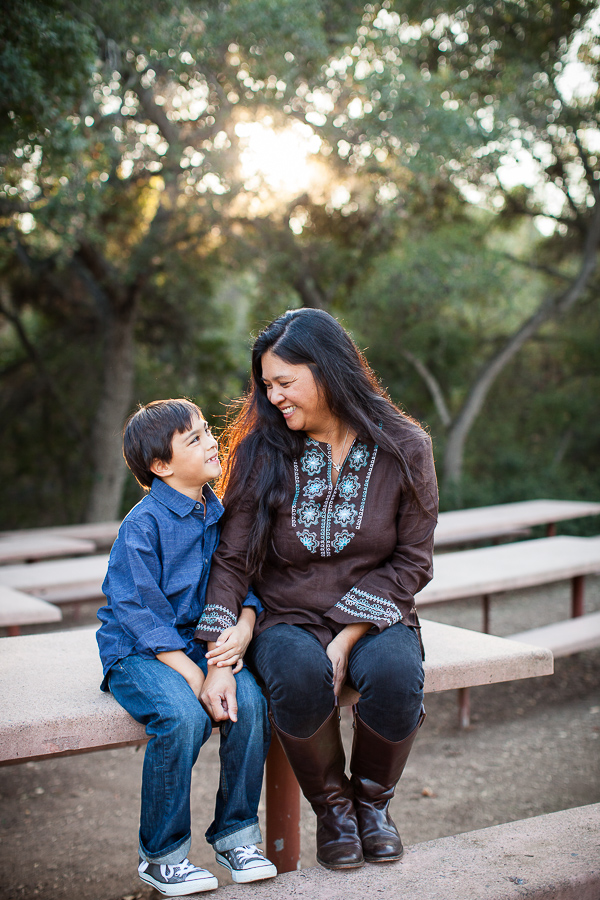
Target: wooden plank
(18,609)
(15,549)
(487,522)
(488,570)
(57,707)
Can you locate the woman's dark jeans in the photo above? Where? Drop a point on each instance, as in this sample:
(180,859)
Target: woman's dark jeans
(386,669)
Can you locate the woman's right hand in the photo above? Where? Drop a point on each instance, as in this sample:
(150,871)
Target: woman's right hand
(339,660)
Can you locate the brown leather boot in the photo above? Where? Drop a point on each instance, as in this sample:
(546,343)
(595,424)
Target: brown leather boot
(376,767)
(318,763)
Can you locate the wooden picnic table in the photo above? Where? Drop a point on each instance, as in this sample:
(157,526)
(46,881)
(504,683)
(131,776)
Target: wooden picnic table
(17,609)
(14,548)
(484,571)
(463,526)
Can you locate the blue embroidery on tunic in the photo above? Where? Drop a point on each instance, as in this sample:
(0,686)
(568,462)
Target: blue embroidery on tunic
(340,540)
(328,504)
(315,488)
(313,460)
(215,618)
(344,513)
(348,487)
(308,539)
(367,606)
(358,456)
(309,512)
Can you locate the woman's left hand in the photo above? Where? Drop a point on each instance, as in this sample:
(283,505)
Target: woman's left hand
(338,655)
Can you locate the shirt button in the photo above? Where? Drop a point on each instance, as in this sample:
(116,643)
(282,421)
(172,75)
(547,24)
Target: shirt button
(198,505)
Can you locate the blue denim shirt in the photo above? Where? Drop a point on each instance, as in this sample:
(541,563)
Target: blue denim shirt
(157,575)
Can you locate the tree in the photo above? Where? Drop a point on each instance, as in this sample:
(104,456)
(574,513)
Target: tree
(445,95)
(129,170)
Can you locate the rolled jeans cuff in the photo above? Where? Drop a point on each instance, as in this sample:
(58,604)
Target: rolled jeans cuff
(249,834)
(171,857)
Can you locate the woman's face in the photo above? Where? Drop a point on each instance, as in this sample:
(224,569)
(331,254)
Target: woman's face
(293,390)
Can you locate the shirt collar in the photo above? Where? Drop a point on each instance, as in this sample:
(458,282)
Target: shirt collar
(182,505)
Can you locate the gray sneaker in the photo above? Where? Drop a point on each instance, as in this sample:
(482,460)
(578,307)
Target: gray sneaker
(177,880)
(246,864)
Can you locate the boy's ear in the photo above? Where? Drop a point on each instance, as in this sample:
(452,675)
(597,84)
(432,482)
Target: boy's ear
(161,468)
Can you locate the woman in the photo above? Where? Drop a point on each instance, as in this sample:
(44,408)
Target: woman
(335,502)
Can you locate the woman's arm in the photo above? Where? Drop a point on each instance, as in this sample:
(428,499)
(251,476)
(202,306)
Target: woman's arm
(386,594)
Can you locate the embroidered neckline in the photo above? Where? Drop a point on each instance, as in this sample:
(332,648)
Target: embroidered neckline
(325,511)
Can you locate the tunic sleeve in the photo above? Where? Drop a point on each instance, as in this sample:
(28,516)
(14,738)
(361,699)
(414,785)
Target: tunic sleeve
(386,594)
(228,583)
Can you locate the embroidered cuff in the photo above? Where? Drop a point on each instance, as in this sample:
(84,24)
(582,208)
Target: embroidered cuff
(357,605)
(214,620)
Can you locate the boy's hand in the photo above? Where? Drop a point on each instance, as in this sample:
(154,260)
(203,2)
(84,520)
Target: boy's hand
(218,695)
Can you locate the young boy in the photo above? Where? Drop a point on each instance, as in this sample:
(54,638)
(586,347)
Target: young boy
(155,586)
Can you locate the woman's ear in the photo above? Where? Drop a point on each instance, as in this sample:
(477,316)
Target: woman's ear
(161,468)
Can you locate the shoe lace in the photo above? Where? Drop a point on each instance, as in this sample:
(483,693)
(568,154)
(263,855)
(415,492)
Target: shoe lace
(183,868)
(249,852)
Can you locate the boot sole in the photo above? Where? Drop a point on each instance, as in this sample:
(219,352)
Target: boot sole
(384,859)
(334,866)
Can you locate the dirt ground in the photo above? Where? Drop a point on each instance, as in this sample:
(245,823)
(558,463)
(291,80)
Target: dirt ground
(68,827)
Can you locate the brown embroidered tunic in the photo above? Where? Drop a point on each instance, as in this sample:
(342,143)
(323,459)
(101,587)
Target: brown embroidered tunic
(356,551)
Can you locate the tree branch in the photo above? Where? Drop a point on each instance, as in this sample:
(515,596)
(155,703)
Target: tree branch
(433,386)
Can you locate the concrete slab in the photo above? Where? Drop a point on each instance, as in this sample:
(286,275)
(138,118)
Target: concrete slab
(52,703)
(18,609)
(489,570)
(555,857)
(102,534)
(59,581)
(564,638)
(33,547)
(485,522)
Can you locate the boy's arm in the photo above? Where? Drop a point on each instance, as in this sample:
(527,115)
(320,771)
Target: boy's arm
(230,647)
(177,660)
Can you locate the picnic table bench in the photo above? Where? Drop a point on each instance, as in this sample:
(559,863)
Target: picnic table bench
(17,609)
(52,705)
(59,581)
(491,570)
(464,526)
(27,547)
(100,534)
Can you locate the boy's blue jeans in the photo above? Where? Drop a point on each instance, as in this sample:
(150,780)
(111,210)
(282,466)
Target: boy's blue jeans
(161,699)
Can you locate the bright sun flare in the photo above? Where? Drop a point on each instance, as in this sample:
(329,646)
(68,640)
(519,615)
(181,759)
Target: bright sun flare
(279,159)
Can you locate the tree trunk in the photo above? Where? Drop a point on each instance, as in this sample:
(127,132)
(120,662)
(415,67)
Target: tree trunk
(107,462)
(462,424)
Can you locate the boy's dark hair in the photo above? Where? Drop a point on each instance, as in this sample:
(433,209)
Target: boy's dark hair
(148,434)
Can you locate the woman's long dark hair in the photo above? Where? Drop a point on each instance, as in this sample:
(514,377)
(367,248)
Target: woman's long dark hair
(260,447)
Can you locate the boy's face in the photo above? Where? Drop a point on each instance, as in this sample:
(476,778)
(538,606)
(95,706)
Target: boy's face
(194,462)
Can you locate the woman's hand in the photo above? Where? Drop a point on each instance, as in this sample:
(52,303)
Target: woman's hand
(339,660)
(339,649)
(233,642)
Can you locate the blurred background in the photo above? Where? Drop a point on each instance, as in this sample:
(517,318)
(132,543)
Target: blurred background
(177,174)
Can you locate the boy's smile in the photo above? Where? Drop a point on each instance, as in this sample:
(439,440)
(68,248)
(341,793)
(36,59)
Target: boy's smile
(194,460)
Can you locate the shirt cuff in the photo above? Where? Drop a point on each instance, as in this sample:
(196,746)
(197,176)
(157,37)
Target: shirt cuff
(360,606)
(253,601)
(159,640)
(213,621)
